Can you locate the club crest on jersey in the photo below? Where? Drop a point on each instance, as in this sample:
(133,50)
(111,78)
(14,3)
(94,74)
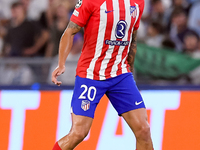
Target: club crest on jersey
(85,105)
(133,11)
(79,3)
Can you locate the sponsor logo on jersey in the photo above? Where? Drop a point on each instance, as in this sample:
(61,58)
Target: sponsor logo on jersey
(85,105)
(116,43)
(79,3)
(133,11)
(120,30)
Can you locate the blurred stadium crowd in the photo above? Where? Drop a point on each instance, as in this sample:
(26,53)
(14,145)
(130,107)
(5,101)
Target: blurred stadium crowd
(31,29)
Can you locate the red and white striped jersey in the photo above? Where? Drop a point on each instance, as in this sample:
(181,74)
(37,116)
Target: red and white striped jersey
(108,27)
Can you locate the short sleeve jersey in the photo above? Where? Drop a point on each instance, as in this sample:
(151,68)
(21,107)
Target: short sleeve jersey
(108,27)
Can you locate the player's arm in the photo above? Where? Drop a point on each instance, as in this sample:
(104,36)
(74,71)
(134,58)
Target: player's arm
(65,46)
(132,51)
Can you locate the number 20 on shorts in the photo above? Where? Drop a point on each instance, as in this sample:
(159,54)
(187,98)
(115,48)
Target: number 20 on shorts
(87,90)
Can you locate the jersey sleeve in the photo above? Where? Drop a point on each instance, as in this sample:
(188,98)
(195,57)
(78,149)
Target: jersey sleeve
(82,12)
(141,9)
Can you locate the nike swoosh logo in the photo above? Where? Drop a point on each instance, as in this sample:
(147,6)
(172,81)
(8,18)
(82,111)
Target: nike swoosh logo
(138,103)
(108,11)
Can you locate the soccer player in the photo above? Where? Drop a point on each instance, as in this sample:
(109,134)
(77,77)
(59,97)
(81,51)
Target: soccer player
(104,67)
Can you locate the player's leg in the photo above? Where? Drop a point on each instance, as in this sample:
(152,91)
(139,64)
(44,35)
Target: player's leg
(137,120)
(87,94)
(79,130)
(126,99)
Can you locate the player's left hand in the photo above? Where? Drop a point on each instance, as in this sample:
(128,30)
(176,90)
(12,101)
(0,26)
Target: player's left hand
(57,72)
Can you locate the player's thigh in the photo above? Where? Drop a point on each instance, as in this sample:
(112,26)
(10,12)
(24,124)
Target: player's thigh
(136,119)
(125,95)
(86,96)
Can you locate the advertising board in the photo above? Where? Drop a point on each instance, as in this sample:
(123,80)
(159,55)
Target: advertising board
(32,120)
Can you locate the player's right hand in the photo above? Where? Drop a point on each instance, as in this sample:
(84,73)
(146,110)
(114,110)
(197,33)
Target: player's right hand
(57,72)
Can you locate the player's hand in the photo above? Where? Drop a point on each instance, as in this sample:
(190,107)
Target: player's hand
(57,72)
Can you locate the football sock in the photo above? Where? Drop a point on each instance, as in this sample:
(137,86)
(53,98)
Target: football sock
(56,147)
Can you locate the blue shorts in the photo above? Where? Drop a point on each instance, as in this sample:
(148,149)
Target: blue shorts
(121,91)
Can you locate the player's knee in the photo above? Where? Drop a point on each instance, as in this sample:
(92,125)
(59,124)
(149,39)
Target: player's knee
(79,135)
(143,133)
